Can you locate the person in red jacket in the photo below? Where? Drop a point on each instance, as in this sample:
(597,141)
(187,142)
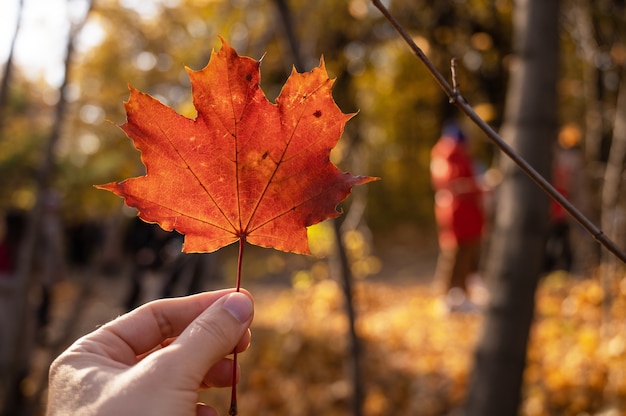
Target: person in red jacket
(459,215)
(12,232)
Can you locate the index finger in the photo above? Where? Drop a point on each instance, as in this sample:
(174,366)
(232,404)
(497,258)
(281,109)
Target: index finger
(147,326)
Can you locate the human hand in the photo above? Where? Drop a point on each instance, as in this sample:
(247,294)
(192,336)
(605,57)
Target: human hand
(154,359)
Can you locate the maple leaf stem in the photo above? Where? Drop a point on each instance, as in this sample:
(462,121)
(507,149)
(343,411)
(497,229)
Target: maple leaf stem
(242,243)
(233,395)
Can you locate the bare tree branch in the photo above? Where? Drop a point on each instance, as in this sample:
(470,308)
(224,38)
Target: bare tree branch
(457,99)
(290,33)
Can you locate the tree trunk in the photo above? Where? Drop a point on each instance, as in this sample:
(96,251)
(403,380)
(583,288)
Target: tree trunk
(355,348)
(615,169)
(586,249)
(7,291)
(345,274)
(25,281)
(516,252)
(290,34)
(8,71)
(612,213)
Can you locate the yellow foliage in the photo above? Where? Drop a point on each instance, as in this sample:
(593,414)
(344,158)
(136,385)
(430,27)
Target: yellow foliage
(416,359)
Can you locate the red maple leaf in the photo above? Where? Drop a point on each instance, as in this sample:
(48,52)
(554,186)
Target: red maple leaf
(244,168)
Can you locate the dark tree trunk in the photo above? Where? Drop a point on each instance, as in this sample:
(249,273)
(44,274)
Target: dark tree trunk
(25,281)
(345,274)
(516,253)
(587,250)
(355,348)
(614,172)
(8,71)
(612,213)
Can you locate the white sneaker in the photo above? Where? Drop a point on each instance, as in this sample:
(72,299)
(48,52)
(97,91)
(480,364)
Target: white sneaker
(456,301)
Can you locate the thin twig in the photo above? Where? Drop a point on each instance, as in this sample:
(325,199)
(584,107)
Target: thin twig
(456,90)
(457,99)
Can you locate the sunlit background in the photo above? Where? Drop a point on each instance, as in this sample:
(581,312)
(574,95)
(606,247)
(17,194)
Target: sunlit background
(417,359)
(148,43)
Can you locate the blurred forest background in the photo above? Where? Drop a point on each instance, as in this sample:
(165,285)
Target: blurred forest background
(58,137)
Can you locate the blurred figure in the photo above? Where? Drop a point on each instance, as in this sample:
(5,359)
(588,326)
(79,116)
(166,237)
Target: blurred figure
(188,273)
(51,246)
(84,243)
(459,216)
(568,166)
(11,235)
(151,249)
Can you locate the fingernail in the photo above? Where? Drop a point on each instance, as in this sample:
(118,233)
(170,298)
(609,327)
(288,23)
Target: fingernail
(239,306)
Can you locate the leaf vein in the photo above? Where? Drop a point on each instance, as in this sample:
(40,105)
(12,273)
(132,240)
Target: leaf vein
(279,163)
(193,173)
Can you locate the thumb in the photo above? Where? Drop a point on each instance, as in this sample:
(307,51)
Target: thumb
(209,338)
